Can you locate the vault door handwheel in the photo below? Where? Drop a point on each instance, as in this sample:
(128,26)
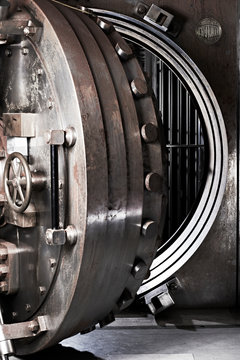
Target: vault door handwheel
(17,182)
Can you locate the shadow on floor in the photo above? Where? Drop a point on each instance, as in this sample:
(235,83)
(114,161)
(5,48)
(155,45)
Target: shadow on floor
(60,352)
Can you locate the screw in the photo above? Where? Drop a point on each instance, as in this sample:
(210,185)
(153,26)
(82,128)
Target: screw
(8,52)
(33,326)
(52,262)
(25,51)
(141,10)
(28,307)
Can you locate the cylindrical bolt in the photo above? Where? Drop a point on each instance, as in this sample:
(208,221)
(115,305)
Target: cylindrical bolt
(149,132)
(141,9)
(150,229)
(25,51)
(153,182)
(123,50)
(139,87)
(139,269)
(105,25)
(72,234)
(3,287)
(70,137)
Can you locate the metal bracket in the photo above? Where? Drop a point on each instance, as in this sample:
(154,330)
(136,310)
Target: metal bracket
(23,329)
(19,124)
(19,24)
(159,17)
(160,298)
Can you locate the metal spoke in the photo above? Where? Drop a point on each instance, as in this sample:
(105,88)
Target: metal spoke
(20,193)
(14,195)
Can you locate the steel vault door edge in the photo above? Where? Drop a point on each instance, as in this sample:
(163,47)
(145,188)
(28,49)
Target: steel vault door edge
(207,280)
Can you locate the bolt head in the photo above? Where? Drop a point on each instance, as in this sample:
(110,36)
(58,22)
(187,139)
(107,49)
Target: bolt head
(141,9)
(33,326)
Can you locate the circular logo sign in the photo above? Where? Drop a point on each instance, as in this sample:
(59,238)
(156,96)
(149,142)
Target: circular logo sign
(209,30)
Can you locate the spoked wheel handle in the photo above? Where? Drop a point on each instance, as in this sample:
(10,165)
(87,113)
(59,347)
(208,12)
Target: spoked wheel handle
(17,182)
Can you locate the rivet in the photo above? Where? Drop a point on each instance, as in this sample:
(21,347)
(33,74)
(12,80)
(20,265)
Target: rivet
(149,132)
(153,182)
(141,9)
(8,52)
(139,87)
(139,269)
(28,307)
(25,51)
(150,229)
(123,50)
(42,290)
(105,25)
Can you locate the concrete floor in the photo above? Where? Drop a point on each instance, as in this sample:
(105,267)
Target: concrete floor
(184,335)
